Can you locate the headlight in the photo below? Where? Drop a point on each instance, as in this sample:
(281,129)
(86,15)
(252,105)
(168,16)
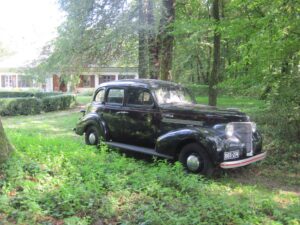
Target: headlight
(229,130)
(253,126)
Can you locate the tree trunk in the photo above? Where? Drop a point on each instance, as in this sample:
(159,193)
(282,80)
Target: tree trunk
(143,64)
(5,147)
(213,81)
(153,43)
(167,38)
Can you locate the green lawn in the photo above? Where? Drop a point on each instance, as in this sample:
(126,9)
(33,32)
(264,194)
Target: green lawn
(244,104)
(82,99)
(53,177)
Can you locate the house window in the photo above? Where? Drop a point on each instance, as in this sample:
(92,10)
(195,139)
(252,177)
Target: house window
(87,81)
(122,77)
(106,78)
(24,81)
(9,81)
(2,81)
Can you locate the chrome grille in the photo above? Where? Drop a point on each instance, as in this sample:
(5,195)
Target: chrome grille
(243,131)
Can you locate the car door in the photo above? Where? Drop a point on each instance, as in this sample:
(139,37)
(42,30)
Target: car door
(140,118)
(113,111)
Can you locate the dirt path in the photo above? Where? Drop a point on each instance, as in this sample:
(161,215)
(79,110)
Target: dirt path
(262,176)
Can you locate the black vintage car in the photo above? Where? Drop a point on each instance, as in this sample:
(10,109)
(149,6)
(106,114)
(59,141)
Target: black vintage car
(161,118)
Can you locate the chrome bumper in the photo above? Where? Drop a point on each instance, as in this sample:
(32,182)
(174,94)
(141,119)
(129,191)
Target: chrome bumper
(243,162)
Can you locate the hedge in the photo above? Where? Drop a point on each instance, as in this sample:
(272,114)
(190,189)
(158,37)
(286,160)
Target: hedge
(46,94)
(15,94)
(19,106)
(59,102)
(34,105)
(19,94)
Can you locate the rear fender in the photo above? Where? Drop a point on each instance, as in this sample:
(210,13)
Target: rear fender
(172,142)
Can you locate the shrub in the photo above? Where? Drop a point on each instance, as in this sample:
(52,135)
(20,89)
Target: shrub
(46,94)
(15,94)
(29,103)
(19,106)
(58,102)
(285,108)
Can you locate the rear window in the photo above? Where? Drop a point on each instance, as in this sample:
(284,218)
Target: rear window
(139,97)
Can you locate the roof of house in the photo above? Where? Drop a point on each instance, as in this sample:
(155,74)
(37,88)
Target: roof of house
(92,69)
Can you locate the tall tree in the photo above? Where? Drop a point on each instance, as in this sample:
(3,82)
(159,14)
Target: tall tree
(153,42)
(167,38)
(142,56)
(100,33)
(213,80)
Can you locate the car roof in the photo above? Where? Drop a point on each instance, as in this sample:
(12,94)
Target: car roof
(145,83)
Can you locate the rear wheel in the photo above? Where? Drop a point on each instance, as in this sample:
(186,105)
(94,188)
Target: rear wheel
(92,136)
(195,159)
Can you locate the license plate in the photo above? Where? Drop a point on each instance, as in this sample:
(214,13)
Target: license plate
(231,155)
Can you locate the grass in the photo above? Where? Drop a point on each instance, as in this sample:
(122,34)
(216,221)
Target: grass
(54,178)
(246,105)
(83,99)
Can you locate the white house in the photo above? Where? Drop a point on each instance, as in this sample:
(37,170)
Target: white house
(90,78)
(12,78)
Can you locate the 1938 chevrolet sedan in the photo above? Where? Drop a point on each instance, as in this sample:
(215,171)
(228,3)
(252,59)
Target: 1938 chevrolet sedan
(161,119)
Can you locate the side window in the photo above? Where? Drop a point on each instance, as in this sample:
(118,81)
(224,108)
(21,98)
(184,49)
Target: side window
(100,96)
(115,96)
(139,97)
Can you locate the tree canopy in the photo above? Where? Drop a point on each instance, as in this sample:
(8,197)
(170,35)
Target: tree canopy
(249,47)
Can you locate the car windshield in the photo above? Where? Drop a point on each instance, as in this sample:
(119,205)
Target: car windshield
(171,95)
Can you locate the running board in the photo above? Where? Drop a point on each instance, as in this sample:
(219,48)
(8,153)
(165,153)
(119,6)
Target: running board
(148,151)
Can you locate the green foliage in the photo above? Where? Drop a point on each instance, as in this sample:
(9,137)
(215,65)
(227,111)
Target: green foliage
(243,86)
(19,106)
(58,102)
(102,31)
(15,94)
(197,89)
(57,178)
(284,111)
(46,94)
(24,94)
(51,178)
(23,103)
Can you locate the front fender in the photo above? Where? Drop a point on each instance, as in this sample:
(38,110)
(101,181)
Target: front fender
(91,119)
(172,142)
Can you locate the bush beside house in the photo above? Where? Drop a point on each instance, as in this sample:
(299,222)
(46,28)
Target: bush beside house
(29,103)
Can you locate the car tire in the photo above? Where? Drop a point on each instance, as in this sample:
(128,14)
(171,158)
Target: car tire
(92,135)
(195,159)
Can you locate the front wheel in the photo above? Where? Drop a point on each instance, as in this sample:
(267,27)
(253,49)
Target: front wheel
(195,159)
(92,136)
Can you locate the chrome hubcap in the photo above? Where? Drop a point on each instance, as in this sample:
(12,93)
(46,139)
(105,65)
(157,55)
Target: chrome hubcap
(193,162)
(92,138)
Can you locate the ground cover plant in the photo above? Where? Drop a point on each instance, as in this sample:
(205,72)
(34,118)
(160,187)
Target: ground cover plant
(54,178)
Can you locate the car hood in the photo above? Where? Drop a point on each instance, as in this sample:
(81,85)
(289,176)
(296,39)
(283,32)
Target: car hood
(207,115)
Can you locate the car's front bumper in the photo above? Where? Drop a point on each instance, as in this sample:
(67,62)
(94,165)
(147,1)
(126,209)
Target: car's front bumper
(243,162)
